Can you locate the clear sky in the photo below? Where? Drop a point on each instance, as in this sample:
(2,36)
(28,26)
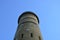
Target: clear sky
(48,12)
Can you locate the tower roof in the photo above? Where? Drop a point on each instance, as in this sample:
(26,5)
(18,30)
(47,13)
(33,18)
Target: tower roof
(28,12)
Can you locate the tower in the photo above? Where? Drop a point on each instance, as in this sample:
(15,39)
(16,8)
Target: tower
(28,27)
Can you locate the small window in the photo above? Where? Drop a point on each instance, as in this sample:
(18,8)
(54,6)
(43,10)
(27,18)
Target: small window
(22,35)
(31,35)
(39,38)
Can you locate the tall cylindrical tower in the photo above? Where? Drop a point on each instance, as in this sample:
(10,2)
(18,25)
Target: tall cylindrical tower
(28,28)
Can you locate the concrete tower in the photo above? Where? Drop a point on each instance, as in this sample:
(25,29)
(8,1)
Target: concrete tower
(28,27)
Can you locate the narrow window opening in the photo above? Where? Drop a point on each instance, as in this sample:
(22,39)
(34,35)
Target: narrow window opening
(31,35)
(22,35)
(39,38)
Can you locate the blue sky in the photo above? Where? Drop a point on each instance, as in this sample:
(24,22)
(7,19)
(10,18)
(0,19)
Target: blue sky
(48,12)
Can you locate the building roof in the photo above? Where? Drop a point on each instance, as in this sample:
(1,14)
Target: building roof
(28,12)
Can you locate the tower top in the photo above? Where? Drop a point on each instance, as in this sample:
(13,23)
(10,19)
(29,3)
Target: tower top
(28,12)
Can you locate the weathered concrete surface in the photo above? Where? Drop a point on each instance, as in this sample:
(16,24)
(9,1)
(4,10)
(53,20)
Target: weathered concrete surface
(28,28)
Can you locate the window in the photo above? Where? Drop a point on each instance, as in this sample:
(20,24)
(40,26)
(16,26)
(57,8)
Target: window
(22,35)
(39,38)
(31,35)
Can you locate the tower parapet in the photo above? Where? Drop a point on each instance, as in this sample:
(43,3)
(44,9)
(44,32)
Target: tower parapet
(28,16)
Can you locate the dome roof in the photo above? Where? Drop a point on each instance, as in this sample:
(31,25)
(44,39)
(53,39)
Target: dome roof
(28,12)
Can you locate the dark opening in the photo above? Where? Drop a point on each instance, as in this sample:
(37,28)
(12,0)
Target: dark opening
(39,38)
(31,35)
(22,35)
